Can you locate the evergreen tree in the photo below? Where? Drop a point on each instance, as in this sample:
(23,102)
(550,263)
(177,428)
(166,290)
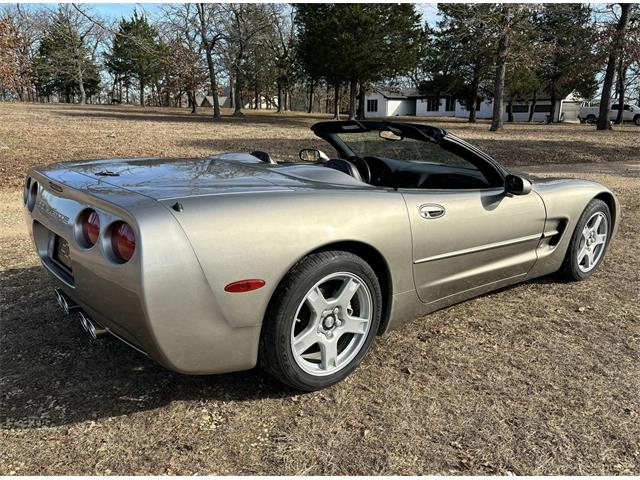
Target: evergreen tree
(136,53)
(461,54)
(63,63)
(359,43)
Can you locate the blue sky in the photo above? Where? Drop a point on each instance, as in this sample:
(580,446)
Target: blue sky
(118,10)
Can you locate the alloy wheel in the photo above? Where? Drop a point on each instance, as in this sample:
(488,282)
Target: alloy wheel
(593,242)
(332,323)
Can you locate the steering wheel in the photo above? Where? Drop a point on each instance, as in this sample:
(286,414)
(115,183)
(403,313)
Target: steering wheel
(363,168)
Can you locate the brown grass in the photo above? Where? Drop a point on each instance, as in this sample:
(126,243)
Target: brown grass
(539,378)
(35,134)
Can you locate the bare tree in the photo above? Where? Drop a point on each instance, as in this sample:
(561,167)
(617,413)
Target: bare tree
(281,45)
(244,23)
(210,36)
(630,53)
(617,44)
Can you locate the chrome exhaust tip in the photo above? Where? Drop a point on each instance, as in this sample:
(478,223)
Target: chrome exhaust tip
(65,302)
(91,328)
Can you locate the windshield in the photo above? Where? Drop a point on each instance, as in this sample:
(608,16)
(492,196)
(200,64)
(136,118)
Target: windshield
(372,144)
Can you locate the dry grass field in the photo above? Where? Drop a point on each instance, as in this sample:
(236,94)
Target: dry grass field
(540,378)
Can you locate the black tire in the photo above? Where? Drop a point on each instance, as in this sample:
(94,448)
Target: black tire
(591,119)
(570,269)
(275,355)
(636,120)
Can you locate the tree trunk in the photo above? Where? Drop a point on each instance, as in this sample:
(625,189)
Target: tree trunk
(141,93)
(336,101)
(497,119)
(213,83)
(614,53)
(232,100)
(237,112)
(311,89)
(194,106)
(532,108)
(510,111)
(554,101)
(353,91)
(360,103)
(279,110)
(621,85)
(208,47)
(83,94)
(473,98)
(327,102)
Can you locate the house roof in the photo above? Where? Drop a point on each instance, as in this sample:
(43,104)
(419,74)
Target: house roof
(399,93)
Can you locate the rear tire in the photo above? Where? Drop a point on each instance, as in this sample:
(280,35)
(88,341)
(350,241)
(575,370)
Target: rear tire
(321,321)
(589,242)
(590,119)
(636,120)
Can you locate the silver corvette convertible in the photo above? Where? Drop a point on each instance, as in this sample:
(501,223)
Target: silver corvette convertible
(217,264)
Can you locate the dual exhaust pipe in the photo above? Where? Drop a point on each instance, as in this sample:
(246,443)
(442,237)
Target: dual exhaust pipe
(69,306)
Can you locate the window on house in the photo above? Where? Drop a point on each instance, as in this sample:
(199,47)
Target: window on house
(450,105)
(614,106)
(433,104)
(372,105)
(518,109)
(543,108)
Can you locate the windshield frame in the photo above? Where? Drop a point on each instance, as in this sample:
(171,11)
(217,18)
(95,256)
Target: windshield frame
(329,131)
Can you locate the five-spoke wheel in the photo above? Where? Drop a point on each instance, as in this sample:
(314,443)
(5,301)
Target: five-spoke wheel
(331,323)
(321,321)
(589,241)
(593,241)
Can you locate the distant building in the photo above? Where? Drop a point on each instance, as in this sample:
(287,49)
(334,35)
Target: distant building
(410,102)
(248,101)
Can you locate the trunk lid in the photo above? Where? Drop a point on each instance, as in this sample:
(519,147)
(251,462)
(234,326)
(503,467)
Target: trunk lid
(164,178)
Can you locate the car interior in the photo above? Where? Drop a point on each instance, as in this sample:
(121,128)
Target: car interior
(394,155)
(395,158)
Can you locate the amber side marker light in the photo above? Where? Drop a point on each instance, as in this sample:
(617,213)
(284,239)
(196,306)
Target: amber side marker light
(244,285)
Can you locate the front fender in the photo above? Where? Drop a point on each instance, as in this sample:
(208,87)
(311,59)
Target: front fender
(565,200)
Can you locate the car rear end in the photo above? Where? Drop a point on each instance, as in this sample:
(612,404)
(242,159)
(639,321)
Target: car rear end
(123,265)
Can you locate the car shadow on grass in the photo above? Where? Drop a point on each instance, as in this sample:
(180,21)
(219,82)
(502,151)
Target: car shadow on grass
(52,373)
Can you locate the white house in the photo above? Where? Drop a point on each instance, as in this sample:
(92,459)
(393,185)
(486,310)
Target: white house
(389,103)
(409,102)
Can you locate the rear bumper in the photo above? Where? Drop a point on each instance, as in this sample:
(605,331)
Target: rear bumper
(159,302)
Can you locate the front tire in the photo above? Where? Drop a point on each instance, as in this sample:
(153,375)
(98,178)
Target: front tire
(589,242)
(322,321)
(636,120)
(590,119)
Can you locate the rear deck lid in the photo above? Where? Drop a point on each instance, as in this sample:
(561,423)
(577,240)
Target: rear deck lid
(163,178)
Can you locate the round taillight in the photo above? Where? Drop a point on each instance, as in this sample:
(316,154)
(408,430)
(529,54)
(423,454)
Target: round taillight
(123,241)
(90,227)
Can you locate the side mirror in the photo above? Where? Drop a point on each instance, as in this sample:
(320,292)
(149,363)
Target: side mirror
(515,185)
(313,155)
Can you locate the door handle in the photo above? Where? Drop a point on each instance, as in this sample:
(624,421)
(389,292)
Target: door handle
(431,210)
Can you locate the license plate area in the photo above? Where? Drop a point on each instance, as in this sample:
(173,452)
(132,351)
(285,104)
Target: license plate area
(60,253)
(58,258)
